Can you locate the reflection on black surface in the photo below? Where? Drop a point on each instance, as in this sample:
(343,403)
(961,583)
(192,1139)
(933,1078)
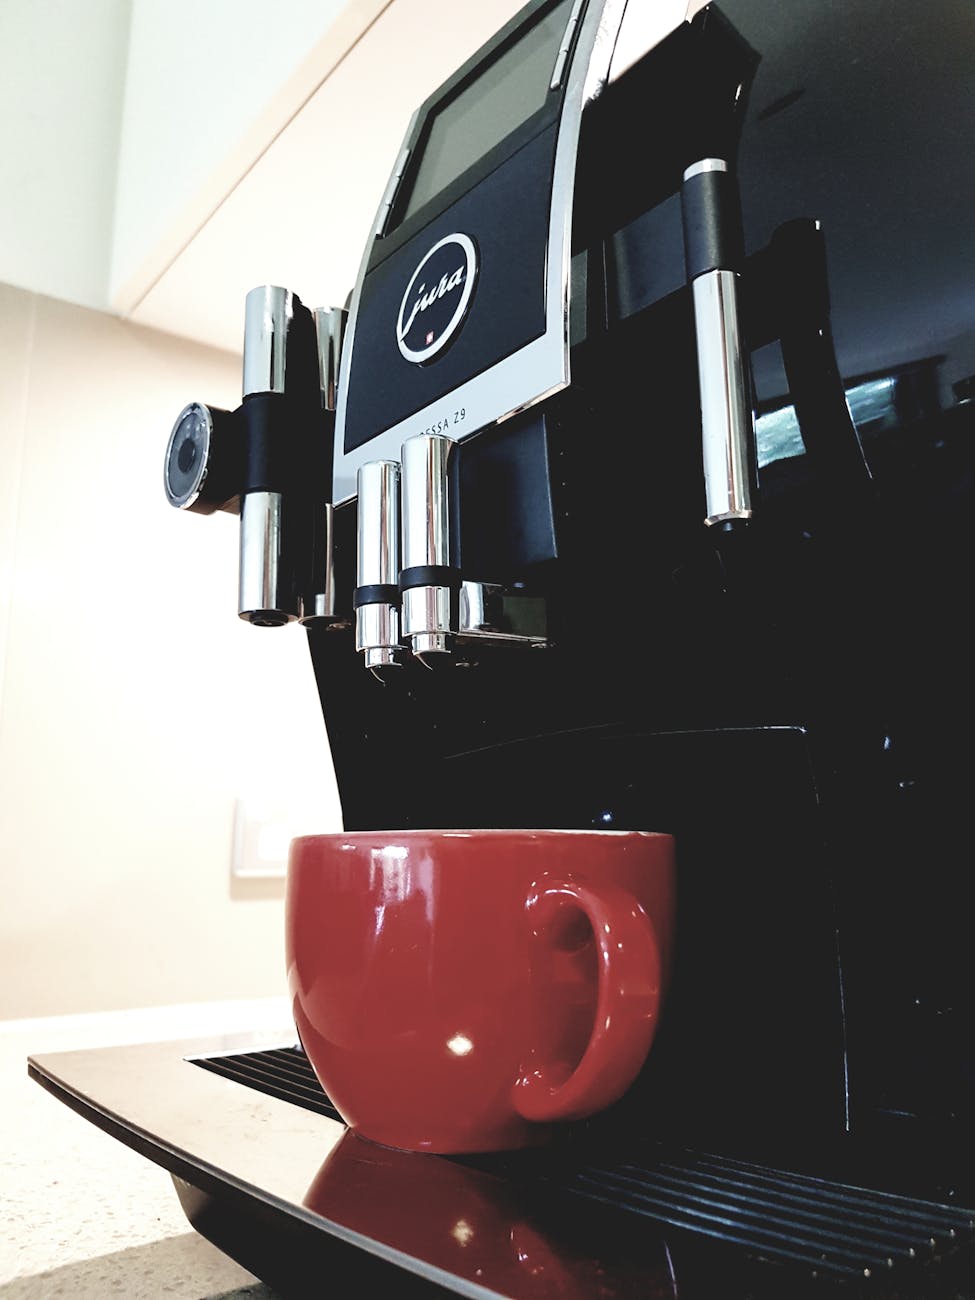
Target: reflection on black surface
(877,403)
(445,1215)
(653,1221)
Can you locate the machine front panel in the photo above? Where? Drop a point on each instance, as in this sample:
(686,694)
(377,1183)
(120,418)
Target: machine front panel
(506,219)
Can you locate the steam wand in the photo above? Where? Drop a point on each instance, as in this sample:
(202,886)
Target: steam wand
(713,253)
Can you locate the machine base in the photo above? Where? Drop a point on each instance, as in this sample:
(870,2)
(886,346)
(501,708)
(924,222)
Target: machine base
(265,1169)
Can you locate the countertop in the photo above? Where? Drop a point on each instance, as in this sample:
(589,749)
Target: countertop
(82,1214)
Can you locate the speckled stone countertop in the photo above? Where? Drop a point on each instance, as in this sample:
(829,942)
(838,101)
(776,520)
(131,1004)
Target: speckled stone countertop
(82,1215)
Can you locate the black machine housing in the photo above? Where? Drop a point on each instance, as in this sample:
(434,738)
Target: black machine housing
(787,691)
(791,700)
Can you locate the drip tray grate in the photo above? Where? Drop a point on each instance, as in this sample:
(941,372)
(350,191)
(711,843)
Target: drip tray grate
(831,1228)
(282,1072)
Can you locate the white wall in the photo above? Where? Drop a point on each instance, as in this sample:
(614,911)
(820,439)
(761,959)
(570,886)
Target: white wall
(134,705)
(62,75)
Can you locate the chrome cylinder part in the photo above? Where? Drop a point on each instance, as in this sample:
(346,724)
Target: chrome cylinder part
(426,543)
(426,619)
(378,542)
(377,630)
(265,597)
(318,604)
(268,316)
(330,323)
(377,635)
(473,607)
(726,418)
(426,534)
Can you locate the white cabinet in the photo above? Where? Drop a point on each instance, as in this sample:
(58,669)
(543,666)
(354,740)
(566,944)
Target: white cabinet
(299,213)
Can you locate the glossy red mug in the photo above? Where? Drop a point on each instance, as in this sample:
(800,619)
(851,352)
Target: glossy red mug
(466,990)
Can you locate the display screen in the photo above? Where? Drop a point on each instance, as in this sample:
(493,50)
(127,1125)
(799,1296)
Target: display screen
(505,94)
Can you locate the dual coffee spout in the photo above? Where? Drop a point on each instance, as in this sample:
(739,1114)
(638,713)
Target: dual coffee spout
(406,588)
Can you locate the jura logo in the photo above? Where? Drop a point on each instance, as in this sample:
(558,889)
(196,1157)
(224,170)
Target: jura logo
(437,298)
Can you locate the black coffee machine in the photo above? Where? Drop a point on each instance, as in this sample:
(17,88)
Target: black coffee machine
(632,488)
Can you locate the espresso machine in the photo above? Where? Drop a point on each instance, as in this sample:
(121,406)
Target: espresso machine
(631,487)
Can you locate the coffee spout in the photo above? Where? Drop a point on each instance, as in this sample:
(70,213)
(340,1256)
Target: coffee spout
(428,579)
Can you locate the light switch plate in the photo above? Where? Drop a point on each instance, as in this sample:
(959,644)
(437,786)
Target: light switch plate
(263,830)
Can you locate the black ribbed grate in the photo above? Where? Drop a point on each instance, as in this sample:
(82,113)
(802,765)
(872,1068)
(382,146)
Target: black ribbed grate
(282,1072)
(831,1228)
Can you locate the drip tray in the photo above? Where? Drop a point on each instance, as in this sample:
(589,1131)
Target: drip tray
(833,1229)
(266,1169)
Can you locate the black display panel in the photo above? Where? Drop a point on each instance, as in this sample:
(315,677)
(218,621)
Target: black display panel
(500,98)
(506,312)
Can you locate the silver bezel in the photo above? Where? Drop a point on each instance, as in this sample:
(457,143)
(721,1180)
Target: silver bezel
(191,498)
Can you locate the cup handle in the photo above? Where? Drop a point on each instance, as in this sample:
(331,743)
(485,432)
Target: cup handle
(627,1004)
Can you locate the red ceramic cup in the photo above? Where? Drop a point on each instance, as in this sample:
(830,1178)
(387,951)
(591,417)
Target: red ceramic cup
(463,991)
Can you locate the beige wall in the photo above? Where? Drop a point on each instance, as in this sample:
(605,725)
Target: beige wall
(134,706)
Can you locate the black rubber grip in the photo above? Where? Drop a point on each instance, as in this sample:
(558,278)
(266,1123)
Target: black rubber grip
(430,575)
(712,224)
(376,593)
(268,422)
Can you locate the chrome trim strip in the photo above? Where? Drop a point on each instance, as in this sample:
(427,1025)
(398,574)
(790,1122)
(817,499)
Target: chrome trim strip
(389,194)
(564,45)
(705,165)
